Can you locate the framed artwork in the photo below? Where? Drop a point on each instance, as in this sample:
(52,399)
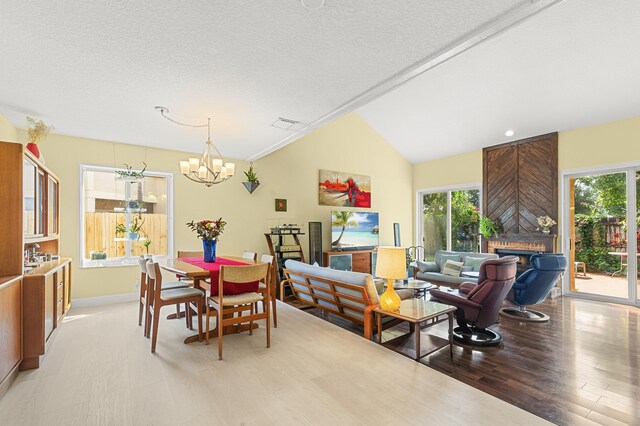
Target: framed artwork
(344,189)
(281,205)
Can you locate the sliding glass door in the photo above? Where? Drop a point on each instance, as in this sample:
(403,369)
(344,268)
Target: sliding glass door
(601,218)
(449,221)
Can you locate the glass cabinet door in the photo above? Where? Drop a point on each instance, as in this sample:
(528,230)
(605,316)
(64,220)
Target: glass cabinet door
(29,197)
(40,206)
(52,207)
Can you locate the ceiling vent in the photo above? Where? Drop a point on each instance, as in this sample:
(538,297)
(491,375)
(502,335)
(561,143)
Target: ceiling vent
(287,124)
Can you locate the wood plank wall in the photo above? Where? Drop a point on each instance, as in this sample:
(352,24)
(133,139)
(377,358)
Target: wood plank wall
(520,183)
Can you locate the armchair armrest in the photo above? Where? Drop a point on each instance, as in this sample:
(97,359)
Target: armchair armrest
(466,287)
(519,286)
(282,284)
(368,321)
(454,299)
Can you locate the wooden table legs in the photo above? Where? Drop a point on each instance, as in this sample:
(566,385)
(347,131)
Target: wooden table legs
(230,329)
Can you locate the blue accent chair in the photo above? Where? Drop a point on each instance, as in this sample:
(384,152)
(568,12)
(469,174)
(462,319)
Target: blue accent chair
(534,285)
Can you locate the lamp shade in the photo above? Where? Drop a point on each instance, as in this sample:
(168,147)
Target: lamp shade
(391,263)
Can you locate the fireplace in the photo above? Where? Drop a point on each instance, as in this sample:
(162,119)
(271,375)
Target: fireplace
(522,245)
(523,258)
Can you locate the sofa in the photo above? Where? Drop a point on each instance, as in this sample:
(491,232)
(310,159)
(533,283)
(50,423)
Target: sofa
(349,295)
(432,271)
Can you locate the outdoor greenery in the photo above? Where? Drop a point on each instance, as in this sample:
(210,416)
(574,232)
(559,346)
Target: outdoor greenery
(601,204)
(464,221)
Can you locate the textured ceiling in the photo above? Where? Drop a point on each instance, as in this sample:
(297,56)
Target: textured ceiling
(97,68)
(574,65)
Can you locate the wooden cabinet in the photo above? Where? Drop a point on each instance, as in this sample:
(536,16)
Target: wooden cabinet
(11,218)
(10,329)
(360,259)
(32,302)
(45,290)
(41,206)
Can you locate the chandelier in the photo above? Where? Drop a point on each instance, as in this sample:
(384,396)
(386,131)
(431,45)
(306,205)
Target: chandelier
(206,170)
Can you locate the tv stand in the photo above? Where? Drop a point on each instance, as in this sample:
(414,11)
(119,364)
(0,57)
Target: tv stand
(360,259)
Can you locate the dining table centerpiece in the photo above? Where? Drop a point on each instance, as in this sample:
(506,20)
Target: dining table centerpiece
(208,231)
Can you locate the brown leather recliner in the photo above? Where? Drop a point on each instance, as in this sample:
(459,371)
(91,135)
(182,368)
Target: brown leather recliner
(479,309)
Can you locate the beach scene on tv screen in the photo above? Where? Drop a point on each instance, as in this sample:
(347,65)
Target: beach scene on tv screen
(354,229)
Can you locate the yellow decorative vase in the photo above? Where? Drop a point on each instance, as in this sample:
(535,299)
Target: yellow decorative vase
(389,300)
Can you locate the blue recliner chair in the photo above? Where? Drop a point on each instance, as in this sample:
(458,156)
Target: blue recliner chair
(534,285)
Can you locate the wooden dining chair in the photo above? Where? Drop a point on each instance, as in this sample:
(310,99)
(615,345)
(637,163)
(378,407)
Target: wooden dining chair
(267,258)
(144,289)
(249,255)
(187,253)
(226,306)
(159,298)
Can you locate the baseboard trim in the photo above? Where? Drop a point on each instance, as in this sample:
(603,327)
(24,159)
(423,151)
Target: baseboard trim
(6,383)
(104,300)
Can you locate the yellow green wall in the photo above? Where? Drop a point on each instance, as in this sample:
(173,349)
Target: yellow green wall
(608,144)
(8,132)
(604,145)
(347,144)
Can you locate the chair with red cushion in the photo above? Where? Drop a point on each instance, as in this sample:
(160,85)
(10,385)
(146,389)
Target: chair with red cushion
(225,305)
(479,309)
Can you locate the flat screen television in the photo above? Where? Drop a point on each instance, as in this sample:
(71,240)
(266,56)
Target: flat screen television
(354,230)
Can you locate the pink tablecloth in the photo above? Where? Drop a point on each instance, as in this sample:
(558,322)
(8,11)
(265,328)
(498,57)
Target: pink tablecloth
(214,271)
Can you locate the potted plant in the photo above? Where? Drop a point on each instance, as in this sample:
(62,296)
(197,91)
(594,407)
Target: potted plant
(37,130)
(98,255)
(146,245)
(252,181)
(129,174)
(135,227)
(489,228)
(121,229)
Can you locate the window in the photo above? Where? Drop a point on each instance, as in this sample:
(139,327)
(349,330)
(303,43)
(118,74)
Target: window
(450,221)
(122,219)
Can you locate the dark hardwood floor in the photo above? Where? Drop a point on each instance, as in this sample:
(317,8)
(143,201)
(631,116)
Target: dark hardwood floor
(582,367)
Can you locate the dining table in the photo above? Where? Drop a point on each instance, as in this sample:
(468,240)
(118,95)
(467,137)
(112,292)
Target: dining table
(200,275)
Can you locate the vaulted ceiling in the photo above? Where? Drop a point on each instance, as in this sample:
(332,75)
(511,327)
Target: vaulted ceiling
(433,77)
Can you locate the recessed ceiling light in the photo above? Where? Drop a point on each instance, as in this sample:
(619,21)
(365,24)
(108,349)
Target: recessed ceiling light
(509,133)
(312,4)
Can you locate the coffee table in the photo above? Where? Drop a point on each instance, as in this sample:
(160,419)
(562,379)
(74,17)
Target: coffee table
(416,312)
(470,274)
(419,287)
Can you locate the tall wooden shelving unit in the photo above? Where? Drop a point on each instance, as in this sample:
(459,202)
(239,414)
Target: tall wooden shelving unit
(11,213)
(33,301)
(279,256)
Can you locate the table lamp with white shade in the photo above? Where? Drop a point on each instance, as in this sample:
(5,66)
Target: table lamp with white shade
(392,265)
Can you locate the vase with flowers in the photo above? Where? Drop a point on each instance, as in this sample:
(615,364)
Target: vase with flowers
(208,231)
(37,130)
(545,223)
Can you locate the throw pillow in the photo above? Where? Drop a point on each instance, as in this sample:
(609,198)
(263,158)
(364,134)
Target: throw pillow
(427,266)
(466,268)
(452,268)
(475,262)
(444,257)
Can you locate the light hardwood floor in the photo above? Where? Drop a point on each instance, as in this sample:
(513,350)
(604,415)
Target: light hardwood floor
(100,372)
